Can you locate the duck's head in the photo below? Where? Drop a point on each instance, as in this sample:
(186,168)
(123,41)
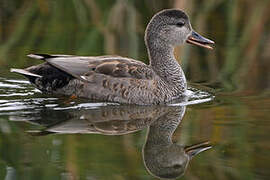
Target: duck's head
(172,27)
(171,162)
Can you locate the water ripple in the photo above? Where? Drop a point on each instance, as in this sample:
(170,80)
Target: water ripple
(21,101)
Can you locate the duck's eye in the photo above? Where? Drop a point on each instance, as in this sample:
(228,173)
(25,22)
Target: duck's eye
(180,24)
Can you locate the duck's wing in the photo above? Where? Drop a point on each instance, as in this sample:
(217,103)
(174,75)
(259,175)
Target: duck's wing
(81,66)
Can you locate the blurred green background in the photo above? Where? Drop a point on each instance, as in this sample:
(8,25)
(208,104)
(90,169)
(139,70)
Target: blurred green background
(238,69)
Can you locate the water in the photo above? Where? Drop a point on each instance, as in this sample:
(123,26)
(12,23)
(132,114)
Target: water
(63,138)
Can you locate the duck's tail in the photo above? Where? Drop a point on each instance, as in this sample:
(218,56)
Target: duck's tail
(24,72)
(44,76)
(43,56)
(40,133)
(28,71)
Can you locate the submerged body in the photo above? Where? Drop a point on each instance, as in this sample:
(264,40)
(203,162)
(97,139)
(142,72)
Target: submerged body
(119,79)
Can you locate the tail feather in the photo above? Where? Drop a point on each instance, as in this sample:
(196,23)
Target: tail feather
(39,133)
(44,56)
(39,56)
(24,72)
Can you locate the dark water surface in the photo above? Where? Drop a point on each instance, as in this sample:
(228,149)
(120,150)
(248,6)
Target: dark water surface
(62,138)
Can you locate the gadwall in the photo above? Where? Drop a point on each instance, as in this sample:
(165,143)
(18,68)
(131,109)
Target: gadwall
(163,157)
(120,79)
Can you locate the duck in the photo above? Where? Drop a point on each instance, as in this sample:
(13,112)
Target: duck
(118,79)
(163,157)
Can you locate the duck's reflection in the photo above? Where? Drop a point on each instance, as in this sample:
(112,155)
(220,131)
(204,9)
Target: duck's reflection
(162,157)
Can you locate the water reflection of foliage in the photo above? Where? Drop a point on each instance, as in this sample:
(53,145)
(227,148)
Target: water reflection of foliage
(237,126)
(90,27)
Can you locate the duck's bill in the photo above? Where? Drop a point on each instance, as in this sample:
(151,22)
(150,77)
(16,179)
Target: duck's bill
(199,40)
(197,148)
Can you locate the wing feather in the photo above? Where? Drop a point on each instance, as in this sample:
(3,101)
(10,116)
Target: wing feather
(83,66)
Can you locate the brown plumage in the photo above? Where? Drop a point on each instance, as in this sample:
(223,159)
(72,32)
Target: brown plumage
(120,79)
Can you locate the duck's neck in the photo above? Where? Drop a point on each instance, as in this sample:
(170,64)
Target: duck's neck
(159,136)
(160,131)
(163,62)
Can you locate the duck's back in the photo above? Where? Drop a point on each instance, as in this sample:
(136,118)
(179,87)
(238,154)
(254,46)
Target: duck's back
(102,78)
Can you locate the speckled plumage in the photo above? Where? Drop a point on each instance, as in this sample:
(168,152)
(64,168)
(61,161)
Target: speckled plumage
(120,79)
